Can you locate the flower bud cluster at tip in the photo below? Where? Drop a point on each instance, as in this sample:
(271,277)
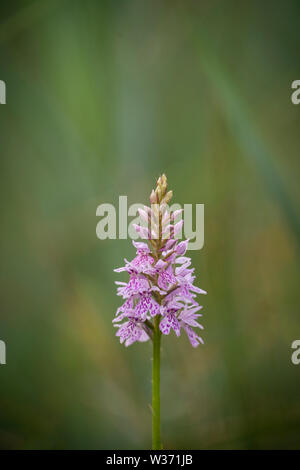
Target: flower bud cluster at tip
(160,194)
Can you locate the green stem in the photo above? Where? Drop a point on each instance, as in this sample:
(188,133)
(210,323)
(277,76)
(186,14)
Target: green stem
(156,444)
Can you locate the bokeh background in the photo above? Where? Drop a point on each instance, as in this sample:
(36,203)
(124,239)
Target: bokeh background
(101,98)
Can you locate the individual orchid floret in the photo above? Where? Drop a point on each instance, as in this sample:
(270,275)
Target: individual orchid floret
(131,331)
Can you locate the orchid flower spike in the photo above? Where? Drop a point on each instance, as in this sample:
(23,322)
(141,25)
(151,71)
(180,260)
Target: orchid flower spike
(161,279)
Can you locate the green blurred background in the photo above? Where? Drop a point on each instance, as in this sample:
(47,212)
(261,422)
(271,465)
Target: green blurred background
(101,98)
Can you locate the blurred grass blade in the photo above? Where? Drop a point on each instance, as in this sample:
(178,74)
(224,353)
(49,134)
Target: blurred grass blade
(254,148)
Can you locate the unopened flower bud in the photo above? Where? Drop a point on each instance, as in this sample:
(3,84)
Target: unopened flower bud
(182,247)
(164,184)
(158,193)
(153,197)
(168,197)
